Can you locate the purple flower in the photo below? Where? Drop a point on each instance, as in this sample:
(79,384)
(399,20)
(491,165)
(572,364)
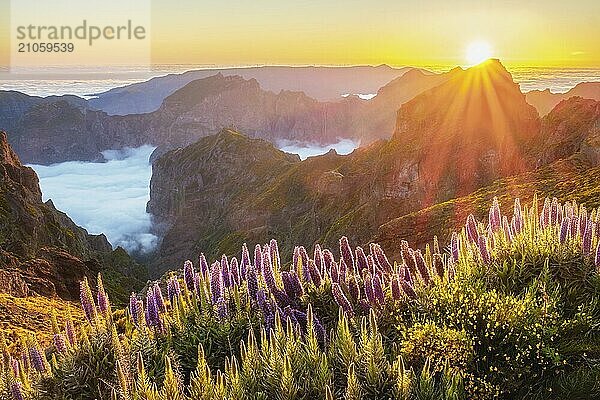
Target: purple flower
(438,265)
(483,250)
(554,211)
(582,220)
(454,246)
(371,263)
(378,290)
(37,359)
(507,230)
(173,289)
(343,269)
(87,301)
(341,300)
(103,303)
(235,271)
(16,391)
(587,239)
(225,271)
(369,289)
(327,259)
(517,217)
(70,331)
(354,288)
(396,291)
(252,283)
(188,275)
(406,275)
(304,259)
(268,273)
(244,262)
(597,258)
(565,230)
(315,275)
(361,260)
(158,298)
(471,228)
(381,258)
(258,258)
(216,282)
(292,285)
(346,252)
(134,309)
(408,256)
(59,343)
(152,316)
(495,216)
(422,267)
(334,272)
(545,217)
(203,265)
(221,308)
(408,289)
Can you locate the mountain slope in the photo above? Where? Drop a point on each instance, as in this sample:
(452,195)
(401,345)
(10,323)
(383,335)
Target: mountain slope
(544,100)
(41,250)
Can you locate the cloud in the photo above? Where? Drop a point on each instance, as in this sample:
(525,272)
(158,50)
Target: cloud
(305,150)
(107,197)
(578,53)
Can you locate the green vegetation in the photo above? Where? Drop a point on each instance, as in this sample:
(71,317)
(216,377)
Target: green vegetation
(510,310)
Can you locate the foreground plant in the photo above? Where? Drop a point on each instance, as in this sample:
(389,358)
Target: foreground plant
(510,309)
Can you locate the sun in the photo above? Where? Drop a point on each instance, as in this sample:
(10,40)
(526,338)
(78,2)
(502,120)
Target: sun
(478,51)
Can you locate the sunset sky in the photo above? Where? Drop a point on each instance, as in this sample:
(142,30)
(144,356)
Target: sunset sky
(327,32)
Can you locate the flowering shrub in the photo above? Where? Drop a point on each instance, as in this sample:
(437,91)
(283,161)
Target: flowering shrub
(509,309)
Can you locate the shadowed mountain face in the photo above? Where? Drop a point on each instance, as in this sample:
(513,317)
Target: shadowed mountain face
(41,250)
(545,100)
(59,130)
(489,135)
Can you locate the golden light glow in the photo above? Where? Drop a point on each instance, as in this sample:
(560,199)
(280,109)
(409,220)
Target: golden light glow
(478,52)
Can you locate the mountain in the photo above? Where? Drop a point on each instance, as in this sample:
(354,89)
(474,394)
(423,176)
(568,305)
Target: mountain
(545,100)
(445,146)
(57,130)
(320,83)
(42,252)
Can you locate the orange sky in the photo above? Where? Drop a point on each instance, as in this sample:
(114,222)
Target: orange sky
(409,32)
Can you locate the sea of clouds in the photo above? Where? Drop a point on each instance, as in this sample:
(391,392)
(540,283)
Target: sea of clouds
(108,197)
(305,150)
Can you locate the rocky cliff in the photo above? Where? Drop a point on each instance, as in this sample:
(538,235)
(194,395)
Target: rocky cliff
(41,250)
(544,100)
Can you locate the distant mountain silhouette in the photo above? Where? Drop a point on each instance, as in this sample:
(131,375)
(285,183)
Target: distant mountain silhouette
(545,100)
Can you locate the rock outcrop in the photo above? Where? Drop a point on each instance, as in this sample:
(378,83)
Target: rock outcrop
(544,100)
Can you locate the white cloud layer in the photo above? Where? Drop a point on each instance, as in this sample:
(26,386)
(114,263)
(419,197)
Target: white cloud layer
(107,197)
(305,150)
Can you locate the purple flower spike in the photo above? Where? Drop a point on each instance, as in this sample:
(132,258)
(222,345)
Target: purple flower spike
(216,282)
(408,256)
(37,359)
(70,331)
(152,316)
(483,250)
(159,299)
(495,216)
(315,275)
(354,288)
(341,299)
(252,282)
(597,258)
(582,220)
(87,301)
(59,343)
(518,217)
(203,265)
(258,258)
(225,271)
(546,211)
(14,364)
(346,252)
(454,246)
(334,272)
(369,293)
(378,290)
(507,230)
(173,289)
(372,265)
(296,259)
(422,267)
(244,261)
(327,259)
(396,290)
(16,390)
(587,238)
(471,229)
(406,275)
(304,259)
(188,275)
(381,258)
(565,230)
(343,270)
(438,265)
(361,261)
(221,308)
(408,289)
(235,271)
(268,273)
(554,211)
